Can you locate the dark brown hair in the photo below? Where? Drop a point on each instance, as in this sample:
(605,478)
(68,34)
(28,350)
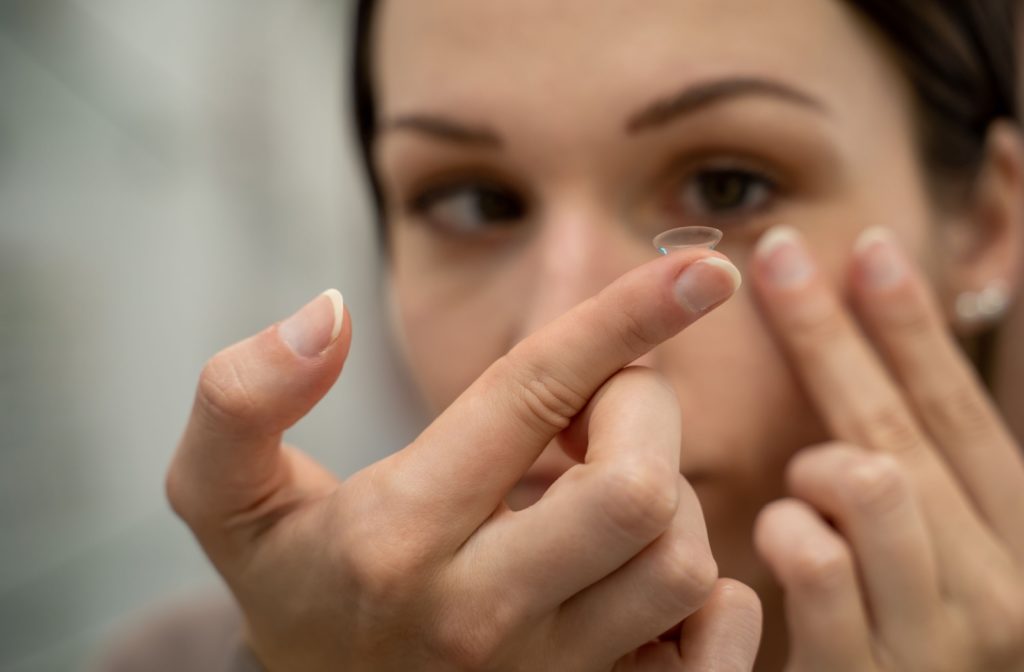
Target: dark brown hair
(958,55)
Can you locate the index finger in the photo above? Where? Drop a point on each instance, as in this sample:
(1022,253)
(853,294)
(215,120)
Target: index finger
(854,392)
(907,323)
(465,463)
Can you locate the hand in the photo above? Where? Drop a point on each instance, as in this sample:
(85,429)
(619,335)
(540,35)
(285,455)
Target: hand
(924,567)
(415,562)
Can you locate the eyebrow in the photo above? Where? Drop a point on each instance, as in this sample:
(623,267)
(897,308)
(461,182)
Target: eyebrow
(661,112)
(449,130)
(696,97)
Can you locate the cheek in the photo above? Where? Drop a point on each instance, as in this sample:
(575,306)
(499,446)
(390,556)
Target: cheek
(744,411)
(447,346)
(744,416)
(452,326)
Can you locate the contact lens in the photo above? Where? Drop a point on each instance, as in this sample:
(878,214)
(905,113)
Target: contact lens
(687,236)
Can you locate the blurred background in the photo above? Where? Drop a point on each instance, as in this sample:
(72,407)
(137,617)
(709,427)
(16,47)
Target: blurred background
(173,177)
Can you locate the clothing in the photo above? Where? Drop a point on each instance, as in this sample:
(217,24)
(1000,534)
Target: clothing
(204,635)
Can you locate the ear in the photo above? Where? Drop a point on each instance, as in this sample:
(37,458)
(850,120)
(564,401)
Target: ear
(983,246)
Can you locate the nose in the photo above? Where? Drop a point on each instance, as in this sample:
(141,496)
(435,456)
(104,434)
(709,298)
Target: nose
(581,248)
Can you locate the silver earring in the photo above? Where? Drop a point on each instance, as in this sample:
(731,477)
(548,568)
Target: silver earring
(985,307)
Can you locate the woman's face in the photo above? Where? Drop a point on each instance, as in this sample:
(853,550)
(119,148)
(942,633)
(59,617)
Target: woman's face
(530,150)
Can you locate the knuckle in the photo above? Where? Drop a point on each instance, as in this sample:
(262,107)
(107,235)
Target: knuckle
(547,401)
(224,394)
(470,642)
(947,657)
(688,574)
(175,491)
(958,411)
(639,498)
(821,566)
(913,320)
(637,336)
(387,570)
(1000,626)
(817,329)
(889,428)
(184,495)
(875,484)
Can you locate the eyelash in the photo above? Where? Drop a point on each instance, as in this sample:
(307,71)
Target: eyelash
(449,194)
(757,191)
(508,208)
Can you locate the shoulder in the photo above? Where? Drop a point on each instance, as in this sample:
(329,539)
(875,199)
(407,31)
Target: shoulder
(203,634)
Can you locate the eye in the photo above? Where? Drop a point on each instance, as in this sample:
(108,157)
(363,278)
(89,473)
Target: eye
(470,208)
(726,192)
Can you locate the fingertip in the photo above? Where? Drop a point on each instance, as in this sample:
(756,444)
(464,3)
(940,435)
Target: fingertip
(726,632)
(743,604)
(341,341)
(772,519)
(706,283)
(738,597)
(316,326)
(782,260)
(879,262)
(729,268)
(338,304)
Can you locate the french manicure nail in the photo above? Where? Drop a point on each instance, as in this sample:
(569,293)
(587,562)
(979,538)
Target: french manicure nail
(785,258)
(315,326)
(706,283)
(882,264)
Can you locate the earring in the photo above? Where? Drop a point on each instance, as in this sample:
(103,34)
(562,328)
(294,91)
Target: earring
(982,308)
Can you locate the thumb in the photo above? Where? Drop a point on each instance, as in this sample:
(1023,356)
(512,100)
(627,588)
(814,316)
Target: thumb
(229,462)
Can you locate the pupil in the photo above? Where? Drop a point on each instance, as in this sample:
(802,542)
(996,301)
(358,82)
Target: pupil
(495,206)
(725,190)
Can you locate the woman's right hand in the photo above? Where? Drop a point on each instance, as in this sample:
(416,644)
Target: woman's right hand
(415,562)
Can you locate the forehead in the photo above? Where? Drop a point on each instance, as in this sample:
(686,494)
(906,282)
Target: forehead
(575,57)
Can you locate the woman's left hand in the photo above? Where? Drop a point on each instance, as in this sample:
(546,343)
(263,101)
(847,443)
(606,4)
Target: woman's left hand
(902,546)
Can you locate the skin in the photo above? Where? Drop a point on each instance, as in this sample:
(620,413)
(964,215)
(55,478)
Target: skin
(589,180)
(1010,383)
(848,165)
(816,437)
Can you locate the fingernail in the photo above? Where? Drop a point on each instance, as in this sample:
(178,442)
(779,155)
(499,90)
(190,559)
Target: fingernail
(784,257)
(315,326)
(880,261)
(707,283)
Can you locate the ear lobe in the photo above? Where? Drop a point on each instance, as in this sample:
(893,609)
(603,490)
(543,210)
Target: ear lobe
(984,248)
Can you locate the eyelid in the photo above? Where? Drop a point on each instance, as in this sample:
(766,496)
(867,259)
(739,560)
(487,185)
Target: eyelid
(684,176)
(457,175)
(426,197)
(443,210)
(756,176)
(689,167)
(712,162)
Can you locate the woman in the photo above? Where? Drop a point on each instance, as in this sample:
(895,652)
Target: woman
(616,431)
